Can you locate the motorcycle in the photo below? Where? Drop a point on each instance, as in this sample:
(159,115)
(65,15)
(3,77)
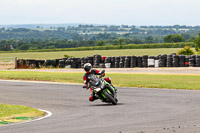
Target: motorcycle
(102,89)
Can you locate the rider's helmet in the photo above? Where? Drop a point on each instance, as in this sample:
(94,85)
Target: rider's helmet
(87,67)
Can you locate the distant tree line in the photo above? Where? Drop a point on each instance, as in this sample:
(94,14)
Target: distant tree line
(90,35)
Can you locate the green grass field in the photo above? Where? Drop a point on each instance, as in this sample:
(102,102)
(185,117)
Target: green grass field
(169,81)
(9,111)
(58,55)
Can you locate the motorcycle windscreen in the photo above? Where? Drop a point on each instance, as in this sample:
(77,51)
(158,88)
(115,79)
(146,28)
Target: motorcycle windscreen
(94,80)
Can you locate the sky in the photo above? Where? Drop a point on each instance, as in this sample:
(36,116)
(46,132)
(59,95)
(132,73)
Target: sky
(111,12)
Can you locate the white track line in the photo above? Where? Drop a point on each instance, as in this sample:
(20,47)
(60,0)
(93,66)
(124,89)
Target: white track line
(42,82)
(46,116)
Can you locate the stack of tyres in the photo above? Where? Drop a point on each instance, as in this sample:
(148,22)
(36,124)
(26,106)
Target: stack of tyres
(57,62)
(197,60)
(187,60)
(64,58)
(157,57)
(50,63)
(61,63)
(73,62)
(127,61)
(122,60)
(31,63)
(181,61)
(103,59)
(90,60)
(86,60)
(40,63)
(112,62)
(192,61)
(151,61)
(117,60)
(96,60)
(139,61)
(175,61)
(169,60)
(133,62)
(102,65)
(79,63)
(21,63)
(68,63)
(145,61)
(82,62)
(108,60)
(162,60)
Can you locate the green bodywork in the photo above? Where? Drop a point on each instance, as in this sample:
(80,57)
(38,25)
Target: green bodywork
(102,93)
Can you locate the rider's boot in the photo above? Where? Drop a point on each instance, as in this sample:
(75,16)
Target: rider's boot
(92,97)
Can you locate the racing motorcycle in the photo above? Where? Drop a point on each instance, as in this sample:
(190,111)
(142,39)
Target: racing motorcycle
(102,89)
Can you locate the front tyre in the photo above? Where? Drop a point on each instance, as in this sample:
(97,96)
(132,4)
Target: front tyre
(110,98)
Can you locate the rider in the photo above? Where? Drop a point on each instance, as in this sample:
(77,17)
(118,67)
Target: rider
(89,70)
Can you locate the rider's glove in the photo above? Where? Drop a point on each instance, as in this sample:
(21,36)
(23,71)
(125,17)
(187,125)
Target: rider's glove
(85,86)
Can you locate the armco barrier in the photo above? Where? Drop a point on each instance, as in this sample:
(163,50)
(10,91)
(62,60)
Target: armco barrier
(99,61)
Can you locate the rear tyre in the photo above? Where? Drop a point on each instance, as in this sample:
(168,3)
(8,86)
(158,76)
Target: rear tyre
(110,98)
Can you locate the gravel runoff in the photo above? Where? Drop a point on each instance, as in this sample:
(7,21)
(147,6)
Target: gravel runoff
(182,70)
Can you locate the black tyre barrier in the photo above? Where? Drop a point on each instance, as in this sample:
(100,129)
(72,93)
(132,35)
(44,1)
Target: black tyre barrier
(162,60)
(40,63)
(181,61)
(175,62)
(151,61)
(99,61)
(127,61)
(112,61)
(145,61)
(133,62)
(61,63)
(96,60)
(187,61)
(117,60)
(169,61)
(139,61)
(198,61)
(50,63)
(102,65)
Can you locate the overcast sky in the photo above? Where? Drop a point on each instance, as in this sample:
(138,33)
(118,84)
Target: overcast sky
(130,12)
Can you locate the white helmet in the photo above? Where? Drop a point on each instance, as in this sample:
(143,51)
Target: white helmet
(87,67)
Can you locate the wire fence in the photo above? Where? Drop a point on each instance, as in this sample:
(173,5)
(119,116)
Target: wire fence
(8,62)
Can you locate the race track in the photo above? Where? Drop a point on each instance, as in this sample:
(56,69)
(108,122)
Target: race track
(139,110)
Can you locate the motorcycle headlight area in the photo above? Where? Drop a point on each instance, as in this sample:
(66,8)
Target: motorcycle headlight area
(97,89)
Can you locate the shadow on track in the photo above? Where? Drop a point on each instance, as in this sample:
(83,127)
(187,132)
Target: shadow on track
(107,104)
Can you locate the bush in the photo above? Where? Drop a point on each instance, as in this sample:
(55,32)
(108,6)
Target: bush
(68,56)
(186,51)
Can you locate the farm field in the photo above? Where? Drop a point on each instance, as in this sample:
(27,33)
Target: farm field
(60,54)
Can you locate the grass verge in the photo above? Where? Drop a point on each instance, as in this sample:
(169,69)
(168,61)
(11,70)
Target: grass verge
(170,81)
(120,52)
(8,111)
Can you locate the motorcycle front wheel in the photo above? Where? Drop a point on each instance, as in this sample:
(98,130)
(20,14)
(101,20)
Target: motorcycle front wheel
(110,98)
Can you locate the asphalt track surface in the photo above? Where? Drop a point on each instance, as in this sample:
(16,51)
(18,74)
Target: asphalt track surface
(139,110)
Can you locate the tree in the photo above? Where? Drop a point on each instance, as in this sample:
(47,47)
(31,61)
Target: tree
(197,42)
(100,43)
(172,38)
(24,47)
(121,42)
(149,39)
